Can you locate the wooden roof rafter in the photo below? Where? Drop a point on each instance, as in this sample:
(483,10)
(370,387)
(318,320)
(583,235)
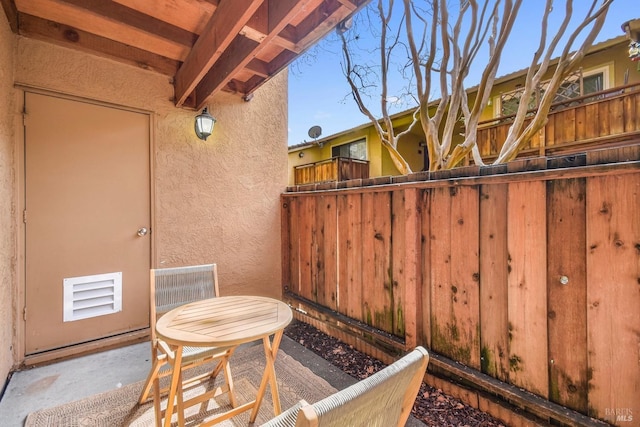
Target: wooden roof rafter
(205,46)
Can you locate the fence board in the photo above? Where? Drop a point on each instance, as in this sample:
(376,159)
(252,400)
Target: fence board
(465,270)
(592,129)
(494,319)
(603,121)
(285,241)
(537,140)
(581,118)
(398,248)
(326,211)
(613,296)
(454,298)
(534,142)
(494,144)
(527,286)
(350,255)
(444,332)
(376,260)
(294,243)
(630,113)
(412,287)
(550,132)
(501,137)
(307,227)
(637,110)
(569,125)
(425,272)
(566,284)
(558,128)
(317,264)
(616,116)
(403,263)
(558,131)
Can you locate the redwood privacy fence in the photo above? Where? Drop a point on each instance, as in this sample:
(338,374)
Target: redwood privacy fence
(527,272)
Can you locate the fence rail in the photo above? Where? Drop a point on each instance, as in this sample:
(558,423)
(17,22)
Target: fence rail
(532,278)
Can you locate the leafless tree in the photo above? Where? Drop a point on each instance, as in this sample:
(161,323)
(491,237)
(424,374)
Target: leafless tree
(442,40)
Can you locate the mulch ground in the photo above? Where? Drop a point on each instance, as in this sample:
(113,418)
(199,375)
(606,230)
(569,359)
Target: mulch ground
(432,406)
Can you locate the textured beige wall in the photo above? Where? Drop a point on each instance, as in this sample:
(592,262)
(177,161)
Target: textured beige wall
(219,200)
(7,222)
(215,201)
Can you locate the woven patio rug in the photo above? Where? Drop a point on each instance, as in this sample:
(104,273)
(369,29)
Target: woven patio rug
(119,407)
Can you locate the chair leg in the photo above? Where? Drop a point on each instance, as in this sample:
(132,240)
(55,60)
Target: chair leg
(229,379)
(180,395)
(153,374)
(156,401)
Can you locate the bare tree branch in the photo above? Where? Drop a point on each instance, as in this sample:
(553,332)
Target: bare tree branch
(443,40)
(565,65)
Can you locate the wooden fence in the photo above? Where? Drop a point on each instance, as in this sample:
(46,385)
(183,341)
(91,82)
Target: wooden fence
(531,277)
(334,169)
(591,121)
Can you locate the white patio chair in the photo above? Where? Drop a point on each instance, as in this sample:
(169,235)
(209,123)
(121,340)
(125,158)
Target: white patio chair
(384,399)
(170,288)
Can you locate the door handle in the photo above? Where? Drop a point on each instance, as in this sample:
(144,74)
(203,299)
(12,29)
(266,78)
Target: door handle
(142,232)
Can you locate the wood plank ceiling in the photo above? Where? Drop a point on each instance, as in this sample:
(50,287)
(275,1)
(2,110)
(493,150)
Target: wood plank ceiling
(205,45)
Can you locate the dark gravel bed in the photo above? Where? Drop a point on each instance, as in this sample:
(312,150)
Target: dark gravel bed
(432,406)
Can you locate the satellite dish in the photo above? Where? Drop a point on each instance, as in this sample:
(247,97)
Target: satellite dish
(315,132)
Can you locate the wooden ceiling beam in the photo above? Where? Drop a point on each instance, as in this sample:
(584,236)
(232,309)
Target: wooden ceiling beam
(205,46)
(280,13)
(87,20)
(320,22)
(282,60)
(190,15)
(225,24)
(259,67)
(351,5)
(11,13)
(135,19)
(285,42)
(223,70)
(64,35)
(277,64)
(297,39)
(313,27)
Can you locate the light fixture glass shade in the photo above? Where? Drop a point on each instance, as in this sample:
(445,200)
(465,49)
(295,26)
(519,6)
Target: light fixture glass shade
(204,124)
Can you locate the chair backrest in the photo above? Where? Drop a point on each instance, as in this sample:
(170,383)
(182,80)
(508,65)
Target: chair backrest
(383,399)
(176,286)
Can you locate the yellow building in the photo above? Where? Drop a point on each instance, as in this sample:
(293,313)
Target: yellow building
(606,72)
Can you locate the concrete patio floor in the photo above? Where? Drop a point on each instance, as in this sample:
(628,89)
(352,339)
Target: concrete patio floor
(52,385)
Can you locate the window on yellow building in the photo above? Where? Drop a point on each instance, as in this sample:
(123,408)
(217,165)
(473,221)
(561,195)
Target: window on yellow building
(352,150)
(576,85)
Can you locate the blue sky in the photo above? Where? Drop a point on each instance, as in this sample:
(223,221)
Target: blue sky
(319,94)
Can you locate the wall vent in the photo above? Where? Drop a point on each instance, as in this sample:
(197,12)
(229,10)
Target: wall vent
(92,296)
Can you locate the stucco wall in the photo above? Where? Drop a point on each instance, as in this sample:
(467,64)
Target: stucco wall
(215,201)
(7,223)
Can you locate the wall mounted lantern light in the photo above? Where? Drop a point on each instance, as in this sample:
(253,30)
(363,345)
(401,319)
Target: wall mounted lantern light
(204,124)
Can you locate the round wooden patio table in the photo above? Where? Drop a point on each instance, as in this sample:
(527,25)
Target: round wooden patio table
(223,322)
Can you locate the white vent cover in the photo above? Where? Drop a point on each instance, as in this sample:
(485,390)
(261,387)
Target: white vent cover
(92,296)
